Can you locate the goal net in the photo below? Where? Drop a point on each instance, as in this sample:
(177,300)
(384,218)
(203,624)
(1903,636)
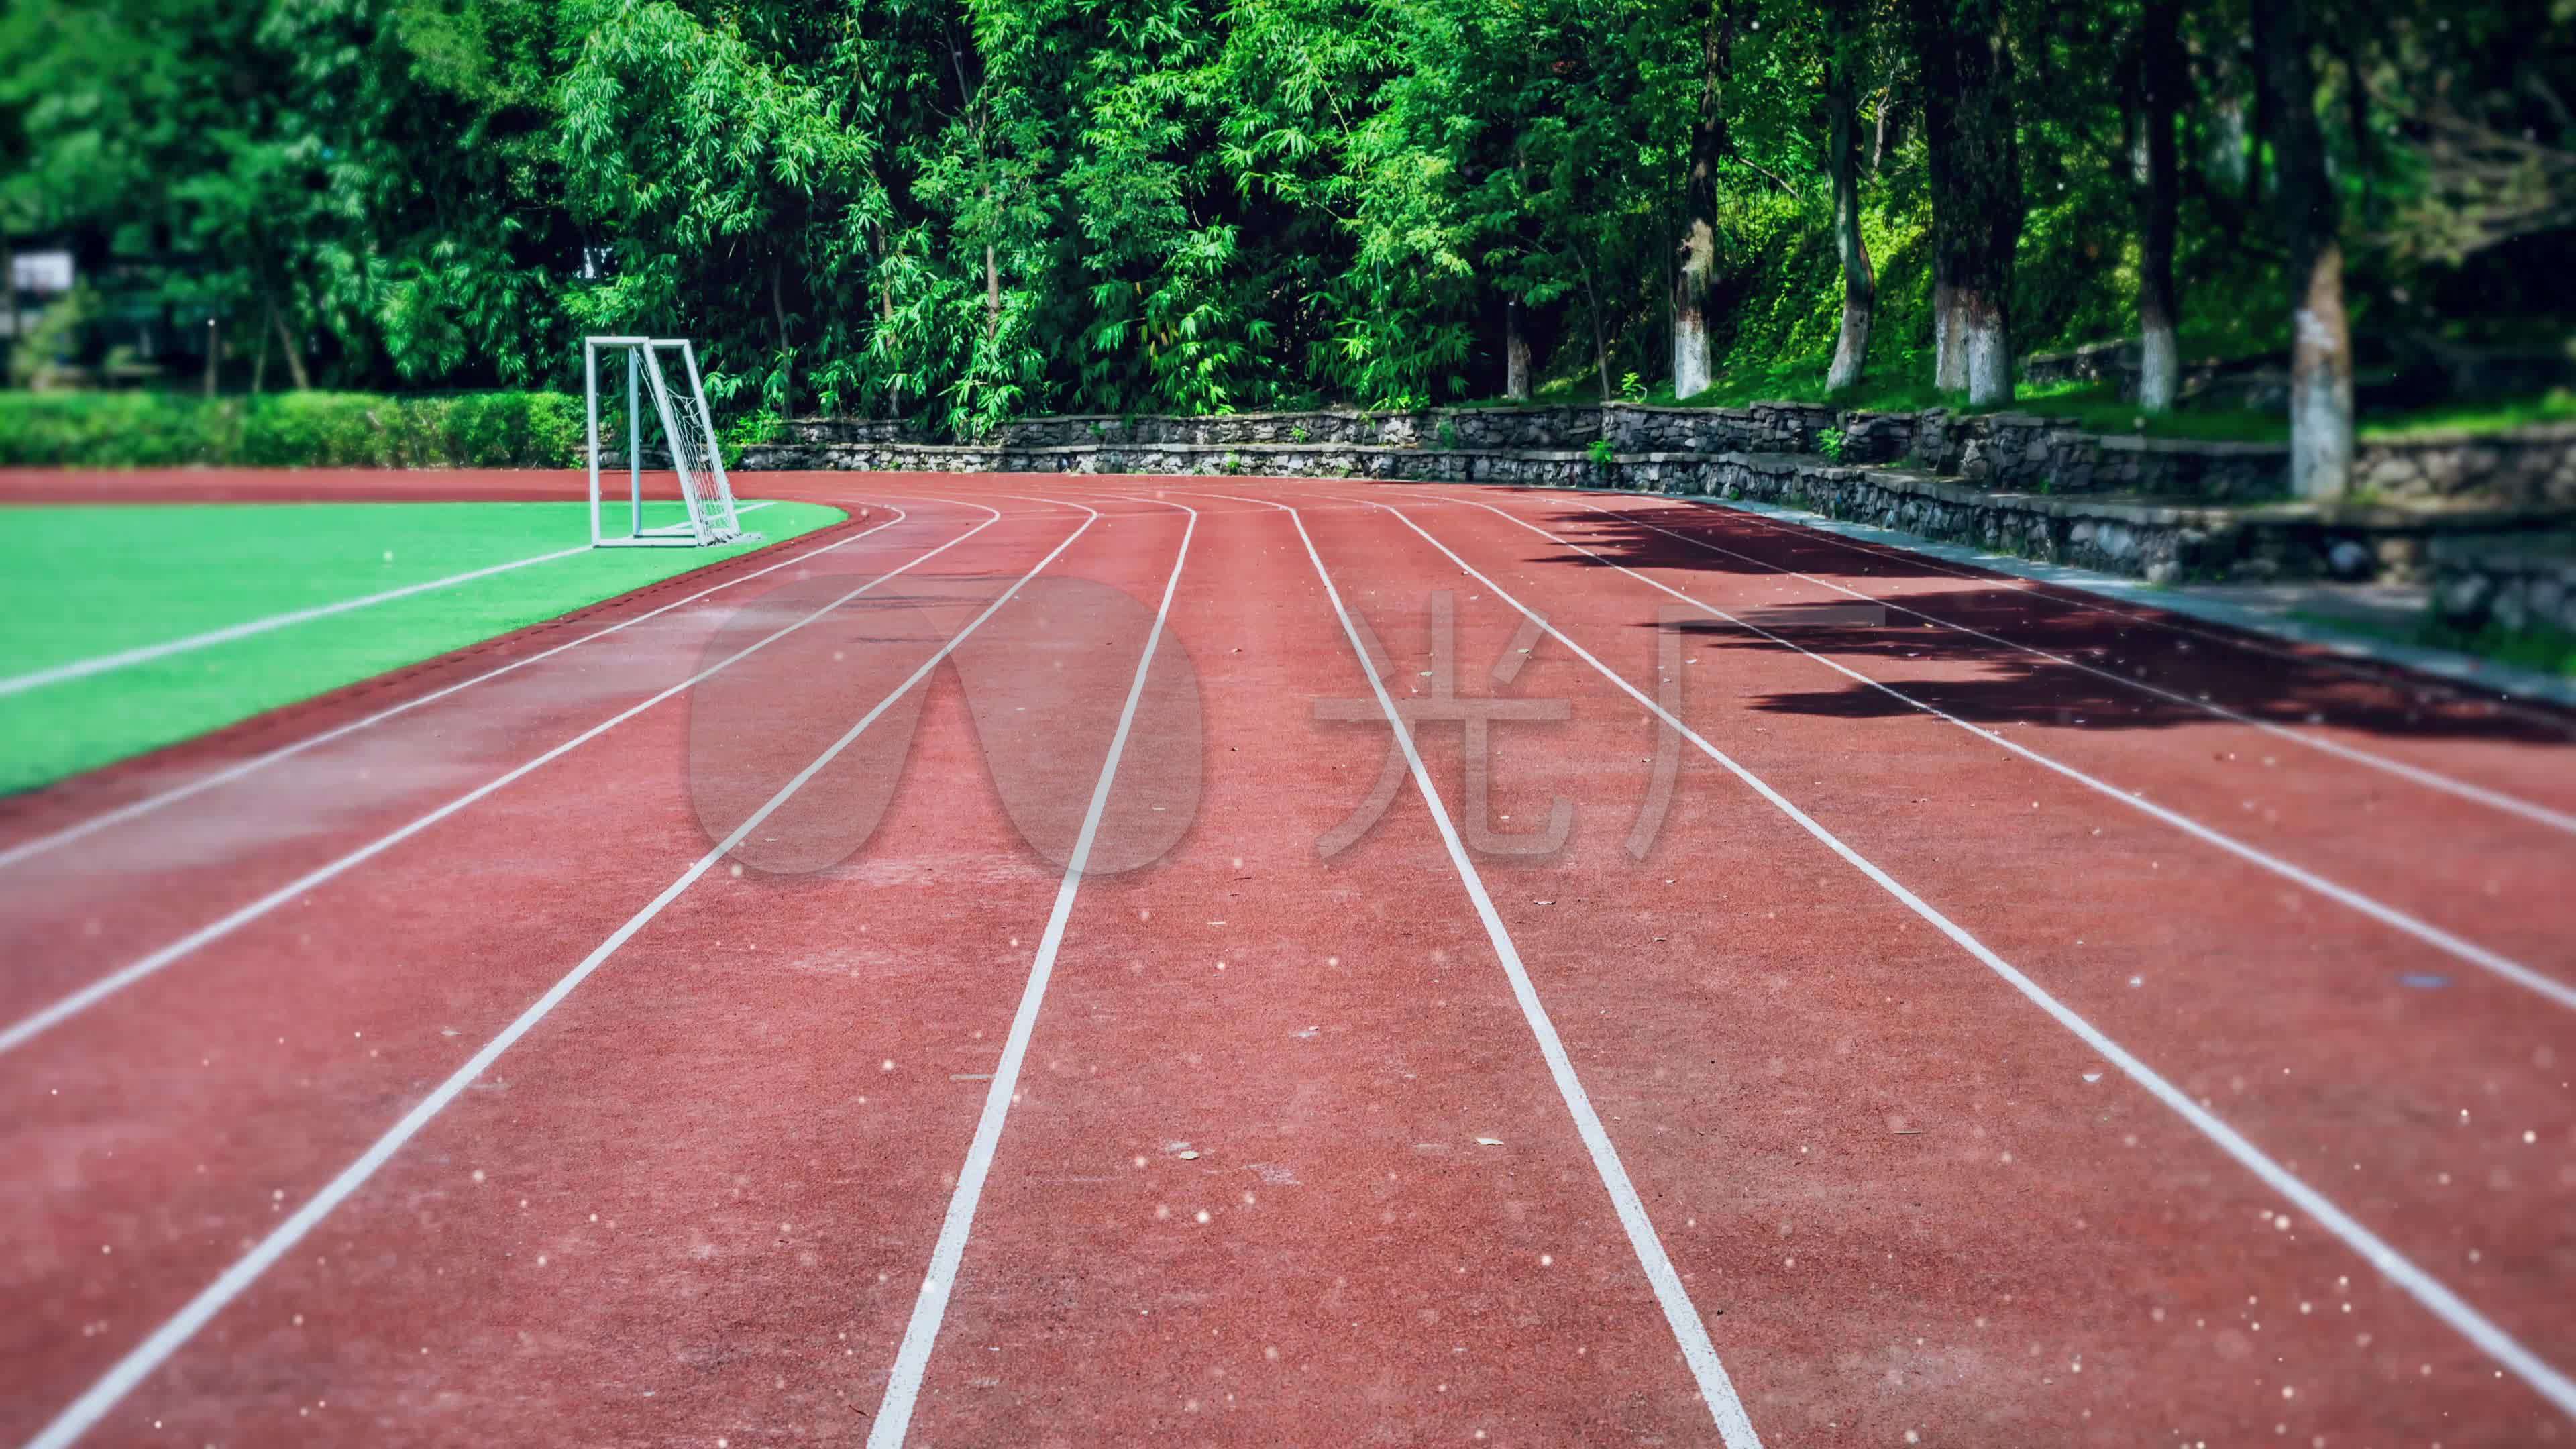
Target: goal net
(662,384)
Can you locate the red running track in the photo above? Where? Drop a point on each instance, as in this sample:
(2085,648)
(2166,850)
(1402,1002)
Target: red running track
(1978,1016)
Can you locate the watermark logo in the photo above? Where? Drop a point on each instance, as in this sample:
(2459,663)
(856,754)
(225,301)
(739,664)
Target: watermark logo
(1041,684)
(1438,701)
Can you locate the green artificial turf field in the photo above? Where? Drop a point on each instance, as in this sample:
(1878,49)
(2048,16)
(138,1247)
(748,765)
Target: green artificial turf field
(94,581)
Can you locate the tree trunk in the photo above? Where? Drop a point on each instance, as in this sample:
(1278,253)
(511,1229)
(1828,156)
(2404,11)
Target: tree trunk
(1695,277)
(214,353)
(992,296)
(786,360)
(1860,287)
(294,358)
(1516,352)
(2263,113)
(2162,77)
(259,359)
(1931,45)
(9,281)
(885,318)
(1887,132)
(1985,333)
(1949,351)
(1600,341)
(2320,332)
(1969,129)
(2356,100)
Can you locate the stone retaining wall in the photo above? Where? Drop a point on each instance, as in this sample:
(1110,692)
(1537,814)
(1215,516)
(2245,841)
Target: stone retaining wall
(2009,451)
(2161,541)
(2120,363)
(1545,428)
(2035,454)
(2529,584)
(1198,460)
(2534,467)
(2140,537)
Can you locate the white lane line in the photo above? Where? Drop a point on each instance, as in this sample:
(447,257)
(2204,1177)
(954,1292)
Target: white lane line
(27,1029)
(921,1332)
(1734,1425)
(120,1380)
(2420,1285)
(2425,931)
(2493,799)
(38,845)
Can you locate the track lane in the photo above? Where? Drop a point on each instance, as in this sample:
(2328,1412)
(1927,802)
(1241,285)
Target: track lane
(2178,1218)
(930,1306)
(1363,1260)
(2411,721)
(183,1120)
(75,953)
(2324,826)
(2133,691)
(748,1267)
(2134,1271)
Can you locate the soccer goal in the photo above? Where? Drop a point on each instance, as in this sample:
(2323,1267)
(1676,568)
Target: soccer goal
(662,378)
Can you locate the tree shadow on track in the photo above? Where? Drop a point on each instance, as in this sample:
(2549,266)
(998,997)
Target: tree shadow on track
(2010,683)
(2016,687)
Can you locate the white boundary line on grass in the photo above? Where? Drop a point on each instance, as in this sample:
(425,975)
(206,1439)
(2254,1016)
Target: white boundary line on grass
(2494,799)
(146,653)
(30,848)
(2457,947)
(1734,1425)
(26,1029)
(84,1412)
(2423,1287)
(921,1331)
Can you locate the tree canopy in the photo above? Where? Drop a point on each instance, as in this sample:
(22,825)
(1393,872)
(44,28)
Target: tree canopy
(961,210)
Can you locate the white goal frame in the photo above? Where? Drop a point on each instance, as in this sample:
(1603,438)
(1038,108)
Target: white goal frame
(688,429)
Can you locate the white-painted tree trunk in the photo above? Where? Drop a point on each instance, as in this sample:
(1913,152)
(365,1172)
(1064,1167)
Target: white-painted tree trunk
(1516,354)
(2321,384)
(1842,149)
(1692,370)
(2159,368)
(2320,333)
(2164,77)
(1949,350)
(1851,346)
(1694,367)
(1985,348)
(1695,276)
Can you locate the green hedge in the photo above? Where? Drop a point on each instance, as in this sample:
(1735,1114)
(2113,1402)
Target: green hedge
(300,429)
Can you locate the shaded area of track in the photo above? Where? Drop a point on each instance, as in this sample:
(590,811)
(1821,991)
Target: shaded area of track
(2266,679)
